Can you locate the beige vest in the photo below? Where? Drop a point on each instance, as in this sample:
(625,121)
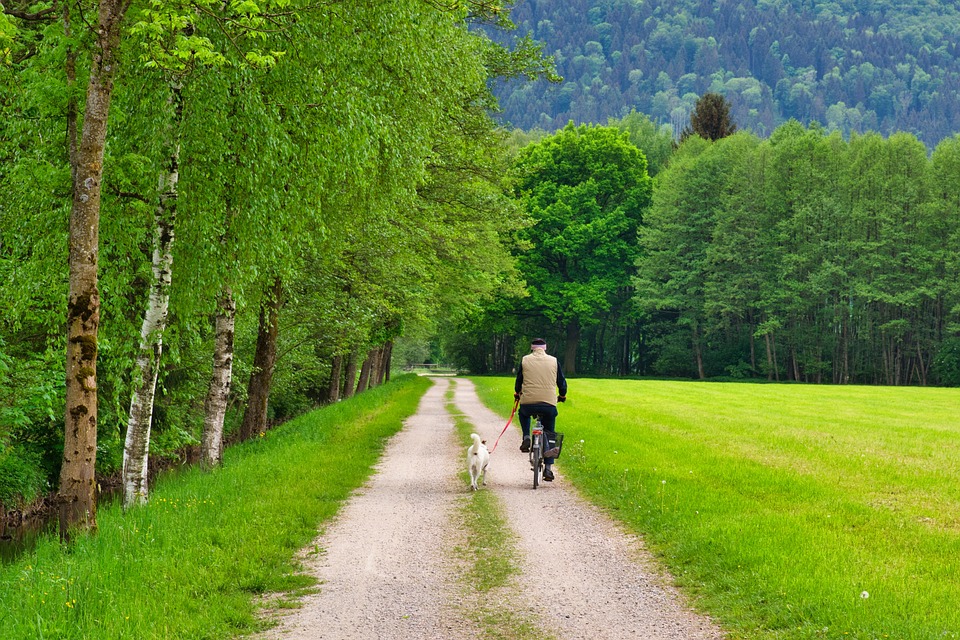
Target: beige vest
(539,378)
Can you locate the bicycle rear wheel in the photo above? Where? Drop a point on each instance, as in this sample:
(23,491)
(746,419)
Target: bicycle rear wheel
(536,459)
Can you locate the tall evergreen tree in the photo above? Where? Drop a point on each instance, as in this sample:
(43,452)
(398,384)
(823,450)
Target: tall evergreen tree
(710,118)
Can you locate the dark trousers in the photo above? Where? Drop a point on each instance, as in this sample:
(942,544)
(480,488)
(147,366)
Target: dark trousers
(548,417)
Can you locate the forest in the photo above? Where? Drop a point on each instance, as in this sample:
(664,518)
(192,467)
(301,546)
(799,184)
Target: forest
(852,66)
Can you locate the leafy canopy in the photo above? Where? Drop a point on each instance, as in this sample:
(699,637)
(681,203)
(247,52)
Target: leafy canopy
(586,188)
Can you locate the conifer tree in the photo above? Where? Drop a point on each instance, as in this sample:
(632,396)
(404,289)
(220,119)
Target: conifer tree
(710,118)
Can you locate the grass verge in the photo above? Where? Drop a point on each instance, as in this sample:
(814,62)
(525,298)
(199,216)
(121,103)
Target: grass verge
(491,592)
(191,563)
(786,511)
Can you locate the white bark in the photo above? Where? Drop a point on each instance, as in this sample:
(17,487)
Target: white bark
(215,405)
(136,449)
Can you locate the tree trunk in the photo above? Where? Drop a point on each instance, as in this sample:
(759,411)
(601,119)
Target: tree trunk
(136,449)
(771,358)
(922,366)
(333,390)
(364,382)
(570,349)
(698,353)
(258,391)
(375,357)
(386,354)
(215,405)
(350,376)
(77,495)
(776,359)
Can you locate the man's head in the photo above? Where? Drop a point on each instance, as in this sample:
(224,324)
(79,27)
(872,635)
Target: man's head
(538,343)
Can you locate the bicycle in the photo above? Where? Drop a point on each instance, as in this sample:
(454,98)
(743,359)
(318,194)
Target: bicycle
(542,446)
(536,449)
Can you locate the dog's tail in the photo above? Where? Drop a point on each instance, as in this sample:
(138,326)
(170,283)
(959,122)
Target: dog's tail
(476,442)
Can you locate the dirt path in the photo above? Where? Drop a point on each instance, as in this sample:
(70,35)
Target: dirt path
(383,571)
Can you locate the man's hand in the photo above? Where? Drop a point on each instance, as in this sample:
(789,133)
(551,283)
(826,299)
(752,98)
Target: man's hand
(516,396)
(561,398)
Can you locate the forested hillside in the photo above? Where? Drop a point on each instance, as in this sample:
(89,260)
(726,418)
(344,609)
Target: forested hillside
(852,65)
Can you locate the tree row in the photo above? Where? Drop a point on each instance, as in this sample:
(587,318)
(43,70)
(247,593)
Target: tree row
(803,257)
(211,205)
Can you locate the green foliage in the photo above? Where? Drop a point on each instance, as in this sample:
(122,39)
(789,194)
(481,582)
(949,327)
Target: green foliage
(805,257)
(784,511)
(656,142)
(946,364)
(167,33)
(8,31)
(22,478)
(586,189)
(344,149)
(31,424)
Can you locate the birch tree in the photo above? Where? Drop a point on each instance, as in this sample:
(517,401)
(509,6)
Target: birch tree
(137,442)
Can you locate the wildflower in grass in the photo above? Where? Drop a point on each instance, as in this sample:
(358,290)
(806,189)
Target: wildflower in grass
(864,595)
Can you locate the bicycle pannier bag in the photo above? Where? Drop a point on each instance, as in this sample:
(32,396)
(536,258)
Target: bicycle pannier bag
(554,444)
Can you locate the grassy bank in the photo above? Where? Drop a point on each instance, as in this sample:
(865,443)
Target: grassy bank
(190,564)
(787,511)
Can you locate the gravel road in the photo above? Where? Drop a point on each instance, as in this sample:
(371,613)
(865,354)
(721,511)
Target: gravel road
(388,567)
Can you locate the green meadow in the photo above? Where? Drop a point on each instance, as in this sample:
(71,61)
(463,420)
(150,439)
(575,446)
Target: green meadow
(784,511)
(194,562)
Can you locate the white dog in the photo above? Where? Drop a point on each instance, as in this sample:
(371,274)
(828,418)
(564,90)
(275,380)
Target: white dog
(477,460)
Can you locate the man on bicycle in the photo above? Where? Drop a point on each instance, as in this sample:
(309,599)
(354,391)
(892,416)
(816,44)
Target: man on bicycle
(539,387)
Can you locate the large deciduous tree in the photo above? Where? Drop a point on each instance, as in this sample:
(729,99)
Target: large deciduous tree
(77,492)
(586,189)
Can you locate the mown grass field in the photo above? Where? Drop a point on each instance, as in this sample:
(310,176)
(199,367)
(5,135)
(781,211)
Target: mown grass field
(192,563)
(784,511)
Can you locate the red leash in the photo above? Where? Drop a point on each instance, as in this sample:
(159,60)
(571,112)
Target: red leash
(512,413)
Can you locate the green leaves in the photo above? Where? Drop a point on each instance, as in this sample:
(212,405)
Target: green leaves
(586,189)
(8,31)
(169,38)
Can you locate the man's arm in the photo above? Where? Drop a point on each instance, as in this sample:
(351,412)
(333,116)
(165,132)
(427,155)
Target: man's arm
(518,385)
(561,381)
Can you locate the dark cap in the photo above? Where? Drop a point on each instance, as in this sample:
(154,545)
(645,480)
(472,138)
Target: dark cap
(538,342)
